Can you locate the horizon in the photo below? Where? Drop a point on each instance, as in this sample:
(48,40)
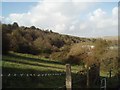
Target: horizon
(83,19)
(67,34)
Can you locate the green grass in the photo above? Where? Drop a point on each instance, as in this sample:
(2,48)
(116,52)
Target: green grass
(17,63)
(26,61)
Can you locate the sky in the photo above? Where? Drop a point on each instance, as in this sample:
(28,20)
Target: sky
(83,19)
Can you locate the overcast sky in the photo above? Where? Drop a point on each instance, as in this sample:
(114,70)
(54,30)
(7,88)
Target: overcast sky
(86,19)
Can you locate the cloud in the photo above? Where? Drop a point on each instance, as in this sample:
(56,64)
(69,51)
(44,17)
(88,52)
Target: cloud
(72,27)
(58,16)
(65,17)
(1,18)
(100,23)
(61,0)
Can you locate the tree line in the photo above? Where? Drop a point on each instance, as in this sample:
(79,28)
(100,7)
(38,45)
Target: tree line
(33,40)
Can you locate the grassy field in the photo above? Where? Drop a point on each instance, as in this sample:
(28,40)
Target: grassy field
(17,63)
(42,73)
(26,61)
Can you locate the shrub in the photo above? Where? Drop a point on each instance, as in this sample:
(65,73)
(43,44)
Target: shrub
(72,60)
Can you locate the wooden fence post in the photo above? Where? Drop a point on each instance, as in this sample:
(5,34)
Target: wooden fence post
(88,78)
(68,77)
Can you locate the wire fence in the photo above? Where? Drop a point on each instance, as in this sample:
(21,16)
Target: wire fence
(60,74)
(32,75)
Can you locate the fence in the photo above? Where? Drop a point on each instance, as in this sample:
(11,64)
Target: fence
(33,75)
(69,81)
(103,84)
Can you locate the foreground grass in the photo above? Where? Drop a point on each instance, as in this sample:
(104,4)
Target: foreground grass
(16,63)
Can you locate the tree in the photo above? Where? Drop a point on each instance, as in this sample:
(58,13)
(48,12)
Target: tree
(32,27)
(42,45)
(18,43)
(5,43)
(15,25)
(56,41)
(79,52)
(101,47)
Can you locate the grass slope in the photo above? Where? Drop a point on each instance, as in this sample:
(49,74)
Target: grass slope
(16,63)
(23,64)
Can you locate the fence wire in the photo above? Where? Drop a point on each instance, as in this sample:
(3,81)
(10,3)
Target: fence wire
(32,75)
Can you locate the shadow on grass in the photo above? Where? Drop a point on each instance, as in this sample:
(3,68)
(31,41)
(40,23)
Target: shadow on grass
(30,81)
(33,64)
(34,59)
(78,81)
(54,82)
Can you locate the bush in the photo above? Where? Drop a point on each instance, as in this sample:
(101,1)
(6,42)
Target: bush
(72,60)
(15,25)
(5,44)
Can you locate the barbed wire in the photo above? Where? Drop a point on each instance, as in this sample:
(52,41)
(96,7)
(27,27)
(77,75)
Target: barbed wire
(40,75)
(32,75)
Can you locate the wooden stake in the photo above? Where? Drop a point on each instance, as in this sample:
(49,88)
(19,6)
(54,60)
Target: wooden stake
(68,77)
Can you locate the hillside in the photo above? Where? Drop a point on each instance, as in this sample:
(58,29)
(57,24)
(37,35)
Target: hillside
(36,41)
(36,58)
(110,37)
(45,43)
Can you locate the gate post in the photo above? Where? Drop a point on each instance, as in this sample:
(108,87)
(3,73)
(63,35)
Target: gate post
(68,77)
(103,84)
(88,78)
